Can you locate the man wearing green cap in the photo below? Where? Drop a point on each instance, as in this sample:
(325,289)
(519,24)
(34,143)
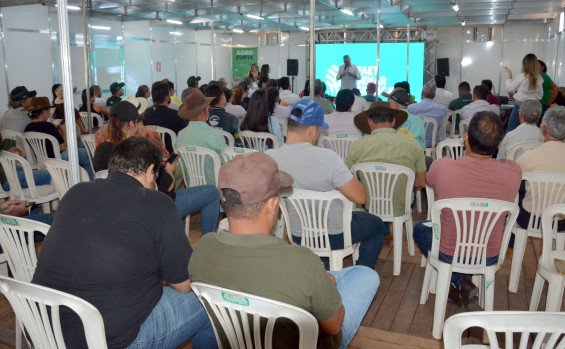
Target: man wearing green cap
(117,93)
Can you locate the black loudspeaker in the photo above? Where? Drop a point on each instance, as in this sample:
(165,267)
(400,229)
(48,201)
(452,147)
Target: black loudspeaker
(292,67)
(443,66)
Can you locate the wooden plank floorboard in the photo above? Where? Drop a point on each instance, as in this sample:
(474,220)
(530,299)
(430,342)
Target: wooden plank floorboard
(411,299)
(385,282)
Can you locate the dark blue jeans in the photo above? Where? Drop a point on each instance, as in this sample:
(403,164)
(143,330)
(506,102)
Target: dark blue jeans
(367,229)
(423,236)
(514,117)
(204,198)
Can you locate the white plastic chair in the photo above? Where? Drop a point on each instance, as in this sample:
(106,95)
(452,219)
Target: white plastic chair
(228,137)
(20,139)
(42,194)
(238,312)
(546,188)
(339,143)
(84,119)
(430,122)
(90,145)
(312,209)
(230,152)
(162,131)
(454,148)
(463,127)
(60,175)
(538,324)
(103,174)
(443,127)
(518,149)
(37,310)
(456,116)
(284,126)
(546,267)
(380,181)
(475,219)
(258,140)
(38,143)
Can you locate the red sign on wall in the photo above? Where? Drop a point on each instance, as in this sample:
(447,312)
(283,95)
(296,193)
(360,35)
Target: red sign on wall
(158,66)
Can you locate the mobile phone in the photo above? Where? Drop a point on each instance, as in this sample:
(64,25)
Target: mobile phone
(30,203)
(172,158)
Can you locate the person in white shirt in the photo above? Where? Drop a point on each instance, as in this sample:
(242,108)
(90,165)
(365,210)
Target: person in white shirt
(236,95)
(442,95)
(480,93)
(528,131)
(528,84)
(341,120)
(285,93)
(360,104)
(348,74)
(98,95)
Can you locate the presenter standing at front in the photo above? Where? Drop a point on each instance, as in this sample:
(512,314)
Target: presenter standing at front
(348,74)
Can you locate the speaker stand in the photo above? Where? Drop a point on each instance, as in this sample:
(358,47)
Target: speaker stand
(292,84)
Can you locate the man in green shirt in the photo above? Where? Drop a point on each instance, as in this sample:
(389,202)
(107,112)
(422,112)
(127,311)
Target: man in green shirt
(384,144)
(117,93)
(327,105)
(248,259)
(465,97)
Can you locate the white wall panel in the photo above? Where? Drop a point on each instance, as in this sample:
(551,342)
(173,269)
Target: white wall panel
(163,54)
(186,64)
(137,65)
(36,17)
(203,63)
(223,63)
(3,89)
(137,29)
(481,60)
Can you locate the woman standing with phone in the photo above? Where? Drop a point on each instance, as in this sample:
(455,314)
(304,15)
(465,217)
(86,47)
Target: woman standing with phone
(528,84)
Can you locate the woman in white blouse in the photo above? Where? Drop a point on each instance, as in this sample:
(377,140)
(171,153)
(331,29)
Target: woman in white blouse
(529,84)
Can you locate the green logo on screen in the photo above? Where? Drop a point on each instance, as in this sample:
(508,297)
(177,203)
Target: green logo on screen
(235,299)
(342,136)
(239,151)
(10,221)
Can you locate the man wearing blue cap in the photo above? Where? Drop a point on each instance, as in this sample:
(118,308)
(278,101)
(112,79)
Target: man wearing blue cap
(323,170)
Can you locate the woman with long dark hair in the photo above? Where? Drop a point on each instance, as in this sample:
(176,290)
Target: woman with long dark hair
(94,107)
(259,119)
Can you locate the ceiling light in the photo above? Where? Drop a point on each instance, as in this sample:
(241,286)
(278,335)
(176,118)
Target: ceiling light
(237,31)
(119,38)
(347,12)
(305,28)
(175,33)
(73,8)
(255,17)
(172,21)
(455,8)
(100,27)
(381,26)
(466,61)
(561,21)
(463,23)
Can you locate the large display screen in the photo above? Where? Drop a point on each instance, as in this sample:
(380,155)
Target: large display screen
(392,65)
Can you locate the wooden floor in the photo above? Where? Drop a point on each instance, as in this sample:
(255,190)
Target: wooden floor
(395,318)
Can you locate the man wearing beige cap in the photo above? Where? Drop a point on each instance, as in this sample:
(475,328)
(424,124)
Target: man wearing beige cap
(249,259)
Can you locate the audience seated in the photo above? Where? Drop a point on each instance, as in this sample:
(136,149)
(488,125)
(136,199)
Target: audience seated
(492,99)
(59,112)
(286,93)
(175,101)
(143,91)
(318,89)
(98,95)
(427,107)
(272,268)
(404,85)
(413,126)
(281,112)
(119,263)
(159,114)
(360,104)
(384,144)
(38,111)
(479,104)
(94,107)
(476,175)
(234,105)
(218,117)
(442,96)
(341,120)
(18,208)
(258,118)
(549,157)
(528,131)
(320,169)
(117,92)
(16,118)
(371,90)
(465,97)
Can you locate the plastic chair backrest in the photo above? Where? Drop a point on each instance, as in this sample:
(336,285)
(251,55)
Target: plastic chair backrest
(475,219)
(518,149)
(37,310)
(228,137)
(193,161)
(90,145)
(339,143)
(284,127)
(20,139)
(454,148)
(313,209)
(84,119)
(17,241)
(546,188)
(230,152)
(443,127)
(38,143)
(240,315)
(527,323)
(258,140)
(463,127)
(101,174)
(456,116)
(380,183)
(549,223)
(163,131)
(59,171)
(430,127)
(10,163)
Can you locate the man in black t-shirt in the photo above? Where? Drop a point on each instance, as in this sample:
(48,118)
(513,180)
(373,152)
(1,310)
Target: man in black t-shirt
(161,115)
(113,243)
(218,117)
(117,93)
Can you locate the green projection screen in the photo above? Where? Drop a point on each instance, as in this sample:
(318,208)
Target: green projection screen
(392,65)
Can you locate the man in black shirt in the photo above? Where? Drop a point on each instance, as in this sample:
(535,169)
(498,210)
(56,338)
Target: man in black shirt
(161,115)
(113,242)
(218,117)
(117,93)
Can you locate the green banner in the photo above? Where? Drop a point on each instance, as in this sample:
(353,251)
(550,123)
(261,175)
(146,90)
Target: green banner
(242,58)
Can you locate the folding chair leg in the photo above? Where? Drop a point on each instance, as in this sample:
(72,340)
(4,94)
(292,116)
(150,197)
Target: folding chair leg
(520,240)
(536,292)
(419,200)
(554,294)
(19,333)
(410,236)
(397,241)
(442,289)
(489,285)
(45,208)
(426,285)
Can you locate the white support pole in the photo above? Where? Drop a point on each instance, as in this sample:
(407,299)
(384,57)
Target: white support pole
(408,49)
(70,124)
(212,40)
(312,46)
(378,46)
(86,67)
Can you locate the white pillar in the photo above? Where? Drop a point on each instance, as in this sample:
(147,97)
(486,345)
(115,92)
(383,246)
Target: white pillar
(312,46)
